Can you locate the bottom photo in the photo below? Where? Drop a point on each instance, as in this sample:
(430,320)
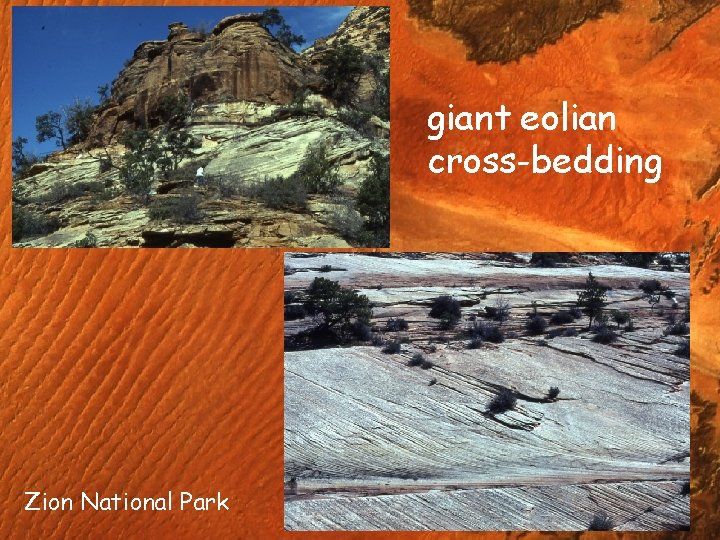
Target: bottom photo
(487,391)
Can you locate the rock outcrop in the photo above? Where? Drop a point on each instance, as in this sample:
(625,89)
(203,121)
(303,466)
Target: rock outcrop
(505,31)
(368,29)
(372,443)
(240,81)
(238,61)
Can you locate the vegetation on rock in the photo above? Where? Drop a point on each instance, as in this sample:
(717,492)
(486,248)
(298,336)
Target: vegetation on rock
(592,299)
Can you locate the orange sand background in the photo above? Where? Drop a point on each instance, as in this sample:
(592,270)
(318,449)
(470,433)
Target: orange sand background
(141,371)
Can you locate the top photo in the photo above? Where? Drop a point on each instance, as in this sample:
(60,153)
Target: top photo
(212,127)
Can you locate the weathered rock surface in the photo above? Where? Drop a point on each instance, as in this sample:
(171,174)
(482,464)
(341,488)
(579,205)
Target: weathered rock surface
(506,30)
(239,78)
(371,443)
(238,61)
(367,28)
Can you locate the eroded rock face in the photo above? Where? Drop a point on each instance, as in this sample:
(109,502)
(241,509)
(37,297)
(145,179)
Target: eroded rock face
(239,78)
(506,30)
(367,28)
(242,145)
(238,61)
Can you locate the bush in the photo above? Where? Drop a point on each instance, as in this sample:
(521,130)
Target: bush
(339,307)
(604,334)
(549,259)
(358,120)
(26,223)
(225,186)
(683,350)
(620,317)
(677,329)
(279,192)
(639,260)
(138,162)
(361,331)
(373,202)
(348,222)
(396,325)
(536,325)
(650,286)
(78,120)
(62,191)
(492,333)
(502,402)
(21,162)
(553,393)
(416,360)
(601,522)
(89,241)
(179,209)
(486,332)
(562,317)
(501,310)
(294,312)
(325,268)
(391,347)
(474,343)
(342,66)
(174,110)
(445,307)
(316,171)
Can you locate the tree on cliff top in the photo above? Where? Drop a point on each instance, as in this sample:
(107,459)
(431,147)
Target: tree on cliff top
(271,18)
(71,126)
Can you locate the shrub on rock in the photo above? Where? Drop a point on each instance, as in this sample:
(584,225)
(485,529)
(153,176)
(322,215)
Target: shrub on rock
(502,402)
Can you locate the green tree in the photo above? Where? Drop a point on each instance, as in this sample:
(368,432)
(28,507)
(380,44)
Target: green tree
(71,126)
(139,161)
(177,145)
(591,299)
(373,201)
(174,110)
(78,120)
(342,66)
(21,161)
(50,126)
(271,18)
(339,307)
(104,93)
(316,171)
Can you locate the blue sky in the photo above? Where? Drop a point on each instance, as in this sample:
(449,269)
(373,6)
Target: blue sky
(63,53)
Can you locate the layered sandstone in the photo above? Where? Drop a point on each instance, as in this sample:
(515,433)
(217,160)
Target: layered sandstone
(240,80)
(374,444)
(238,61)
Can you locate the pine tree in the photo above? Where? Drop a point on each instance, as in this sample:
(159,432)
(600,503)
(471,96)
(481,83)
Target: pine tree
(592,298)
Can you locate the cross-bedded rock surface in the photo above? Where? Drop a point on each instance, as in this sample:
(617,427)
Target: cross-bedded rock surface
(372,443)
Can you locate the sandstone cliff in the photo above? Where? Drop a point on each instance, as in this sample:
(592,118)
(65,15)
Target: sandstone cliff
(255,108)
